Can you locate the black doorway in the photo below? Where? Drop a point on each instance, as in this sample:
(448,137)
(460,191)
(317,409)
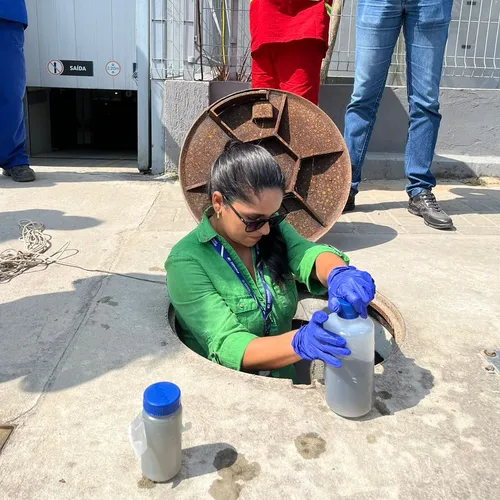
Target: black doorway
(92,121)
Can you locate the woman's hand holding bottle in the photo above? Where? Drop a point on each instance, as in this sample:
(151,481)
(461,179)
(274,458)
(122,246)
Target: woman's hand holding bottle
(353,285)
(312,342)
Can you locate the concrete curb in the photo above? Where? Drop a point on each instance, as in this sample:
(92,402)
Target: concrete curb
(390,166)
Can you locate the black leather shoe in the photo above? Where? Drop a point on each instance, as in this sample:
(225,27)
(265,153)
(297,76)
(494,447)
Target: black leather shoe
(351,203)
(425,205)
(21,173)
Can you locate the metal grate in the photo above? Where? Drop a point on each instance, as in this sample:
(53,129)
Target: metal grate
(225,43)
(473,44)
(209,39)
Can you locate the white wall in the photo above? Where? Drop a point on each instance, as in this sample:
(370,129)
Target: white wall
(90,30)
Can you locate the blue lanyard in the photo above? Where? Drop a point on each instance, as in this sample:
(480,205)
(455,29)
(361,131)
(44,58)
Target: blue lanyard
(265,311)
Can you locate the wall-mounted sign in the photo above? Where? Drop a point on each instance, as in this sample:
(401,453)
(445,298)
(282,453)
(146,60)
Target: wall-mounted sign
(66,67)
(55,67)
(78,68)
(113,68)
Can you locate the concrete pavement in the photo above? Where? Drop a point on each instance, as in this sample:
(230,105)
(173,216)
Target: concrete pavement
(77,349)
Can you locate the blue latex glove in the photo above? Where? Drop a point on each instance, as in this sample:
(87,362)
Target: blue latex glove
(355,286)
(312,342)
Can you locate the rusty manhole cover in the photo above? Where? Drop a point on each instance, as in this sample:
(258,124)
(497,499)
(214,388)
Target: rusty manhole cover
(5,432)
(303,139)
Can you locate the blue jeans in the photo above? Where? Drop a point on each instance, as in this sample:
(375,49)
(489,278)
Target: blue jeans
(12,88)
(425,24)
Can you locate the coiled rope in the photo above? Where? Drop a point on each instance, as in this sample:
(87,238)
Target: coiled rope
(36,243)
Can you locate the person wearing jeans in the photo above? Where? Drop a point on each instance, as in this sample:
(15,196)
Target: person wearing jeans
(13,157)
(425,25)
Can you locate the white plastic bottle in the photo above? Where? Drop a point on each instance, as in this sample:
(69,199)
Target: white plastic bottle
(349,389)
(162,417)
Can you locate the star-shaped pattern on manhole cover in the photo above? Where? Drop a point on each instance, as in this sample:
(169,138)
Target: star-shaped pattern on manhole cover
(300,152)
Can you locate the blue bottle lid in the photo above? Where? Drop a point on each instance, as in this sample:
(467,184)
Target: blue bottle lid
(162,399)
(346,310)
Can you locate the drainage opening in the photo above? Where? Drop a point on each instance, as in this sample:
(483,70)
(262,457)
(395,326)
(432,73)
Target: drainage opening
(5,432)
(389,330)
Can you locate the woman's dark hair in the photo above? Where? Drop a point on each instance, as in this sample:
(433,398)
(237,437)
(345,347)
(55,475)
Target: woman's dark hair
(241,172)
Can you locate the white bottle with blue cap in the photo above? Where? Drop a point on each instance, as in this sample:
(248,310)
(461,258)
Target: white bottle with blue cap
(349,389)
(161,459)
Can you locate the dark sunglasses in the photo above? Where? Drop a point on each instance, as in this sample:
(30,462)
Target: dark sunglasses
(254,225)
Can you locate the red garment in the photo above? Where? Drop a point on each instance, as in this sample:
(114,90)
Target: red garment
(274,21)
(293,66)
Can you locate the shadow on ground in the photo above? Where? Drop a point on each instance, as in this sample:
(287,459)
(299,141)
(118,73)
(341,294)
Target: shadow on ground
(401,386)
(349,237)
(472,200)
(52,220)
(469,201)
(54,341)
(105,323)
(233,469)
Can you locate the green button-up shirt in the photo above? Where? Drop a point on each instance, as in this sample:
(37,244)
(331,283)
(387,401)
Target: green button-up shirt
(216,315)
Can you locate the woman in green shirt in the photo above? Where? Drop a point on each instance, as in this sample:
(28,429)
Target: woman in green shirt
(232,281)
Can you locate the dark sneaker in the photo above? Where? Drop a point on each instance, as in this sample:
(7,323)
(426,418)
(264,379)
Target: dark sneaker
(425,205)
(21,173)
(351,203)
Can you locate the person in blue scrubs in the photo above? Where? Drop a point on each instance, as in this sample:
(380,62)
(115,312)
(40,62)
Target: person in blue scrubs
(13,157)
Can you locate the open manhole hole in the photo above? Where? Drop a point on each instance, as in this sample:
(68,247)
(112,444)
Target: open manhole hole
(389,330)
(313,156)
(5,432)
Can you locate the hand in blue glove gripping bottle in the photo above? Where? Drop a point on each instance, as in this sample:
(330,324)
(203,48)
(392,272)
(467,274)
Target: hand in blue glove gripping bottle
(353,285)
